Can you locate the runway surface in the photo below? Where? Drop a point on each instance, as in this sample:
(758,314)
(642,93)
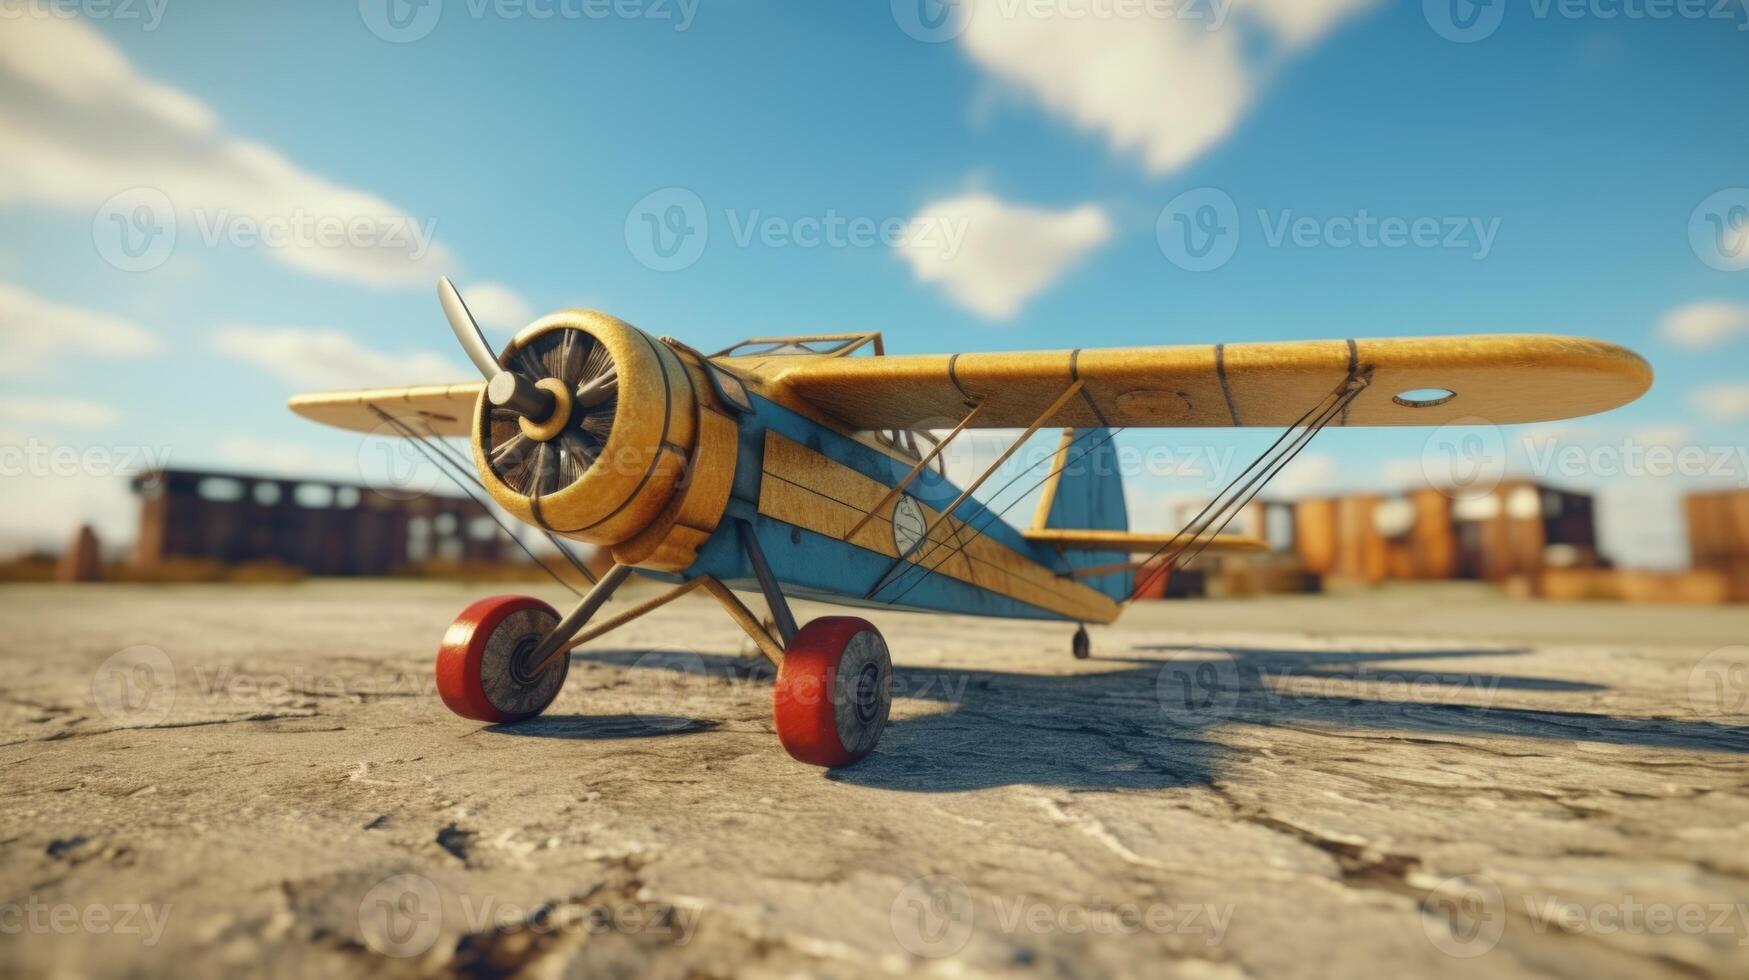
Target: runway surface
(1420,782)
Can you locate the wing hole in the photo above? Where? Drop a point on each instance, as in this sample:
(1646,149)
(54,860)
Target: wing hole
(1424,397)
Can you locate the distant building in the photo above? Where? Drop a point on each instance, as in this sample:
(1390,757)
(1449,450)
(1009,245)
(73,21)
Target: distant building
(320,526)
(1517,529)
(1718,537)
(1513,533)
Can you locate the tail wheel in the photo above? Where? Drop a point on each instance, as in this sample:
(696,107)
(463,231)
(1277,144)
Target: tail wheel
(1081,645)
(485,668)
(833,691)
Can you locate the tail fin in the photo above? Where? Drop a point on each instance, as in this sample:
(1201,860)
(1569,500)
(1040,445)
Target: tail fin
(1085,493)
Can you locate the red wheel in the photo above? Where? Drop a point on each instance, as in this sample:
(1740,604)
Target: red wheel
(833,691)
(484,668)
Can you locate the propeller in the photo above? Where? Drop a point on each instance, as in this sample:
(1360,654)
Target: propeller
(527,448)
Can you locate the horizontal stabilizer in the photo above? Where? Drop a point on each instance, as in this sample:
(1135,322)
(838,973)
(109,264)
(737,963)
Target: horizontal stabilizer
(1141,542)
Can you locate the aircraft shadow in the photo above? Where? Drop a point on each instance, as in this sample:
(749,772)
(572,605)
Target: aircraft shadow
(1144,725)
(604,727)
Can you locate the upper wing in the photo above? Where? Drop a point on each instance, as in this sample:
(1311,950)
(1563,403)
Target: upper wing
(1499,378)
(448,410)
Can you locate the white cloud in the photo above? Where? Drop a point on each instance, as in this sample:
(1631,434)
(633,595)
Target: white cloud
(1305,476)
(80,125)
(328,359)
(991,257)
(497,306)
(35,333)
(67,412)
(1165,87)
(1706,324)
(1725,403)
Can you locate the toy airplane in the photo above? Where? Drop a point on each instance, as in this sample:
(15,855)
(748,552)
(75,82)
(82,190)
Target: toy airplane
(790,467)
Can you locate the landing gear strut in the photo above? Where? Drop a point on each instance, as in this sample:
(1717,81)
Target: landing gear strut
(505,659)
(834,687)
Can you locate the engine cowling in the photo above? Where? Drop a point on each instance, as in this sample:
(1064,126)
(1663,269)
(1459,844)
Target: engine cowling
(635,454)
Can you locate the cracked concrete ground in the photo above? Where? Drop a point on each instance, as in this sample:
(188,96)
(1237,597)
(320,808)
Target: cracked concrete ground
(206,780)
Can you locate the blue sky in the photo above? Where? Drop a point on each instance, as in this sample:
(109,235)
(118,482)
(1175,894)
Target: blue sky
(1567,154)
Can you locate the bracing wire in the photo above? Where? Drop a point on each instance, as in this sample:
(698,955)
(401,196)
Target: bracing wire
(438,461)
(1218,514)
(463,466)
(1215,514)
(990,515)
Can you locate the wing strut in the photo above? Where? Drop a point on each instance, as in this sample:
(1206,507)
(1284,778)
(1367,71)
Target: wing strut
(899,487)
(946,513)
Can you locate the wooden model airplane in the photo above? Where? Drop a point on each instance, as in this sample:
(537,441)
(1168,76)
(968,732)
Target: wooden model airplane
(790,467)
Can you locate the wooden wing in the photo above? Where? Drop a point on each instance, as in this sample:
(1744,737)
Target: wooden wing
(446,410)
(1500,378)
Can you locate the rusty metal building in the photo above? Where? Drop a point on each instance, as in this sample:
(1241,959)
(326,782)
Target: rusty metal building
(1517,529)
(322,527)
(1718,537)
